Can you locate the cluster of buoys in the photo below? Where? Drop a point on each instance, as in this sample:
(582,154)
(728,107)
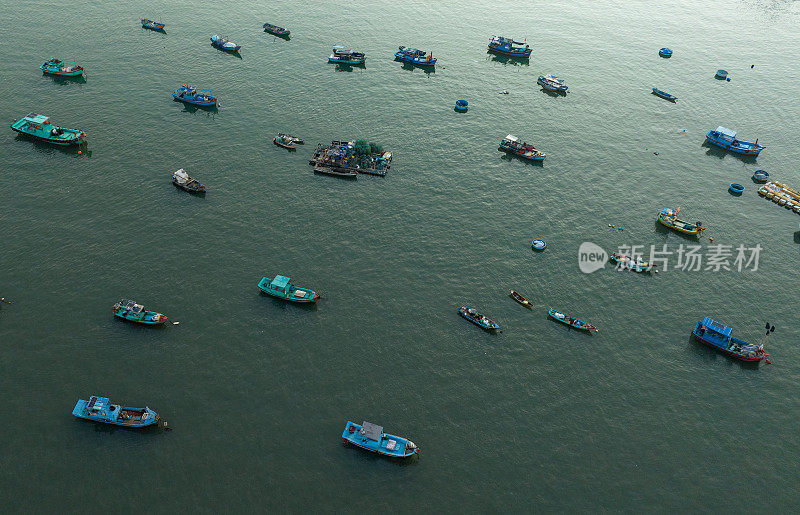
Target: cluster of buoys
(782,195)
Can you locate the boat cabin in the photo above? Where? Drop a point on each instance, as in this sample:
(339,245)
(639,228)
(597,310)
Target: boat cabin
(282,284)
(130,308)
(372,431)
(725,134)
(36,120)
(182,177)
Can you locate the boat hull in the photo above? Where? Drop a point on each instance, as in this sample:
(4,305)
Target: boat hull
(429,63)
(290,146)
(522,55)
(59,73)
(749,149)
(147,320)
(519,298)
(488,325)
(80,412)
(664,95)
(352,62)
(194,102)
(75,141)
(522,155)
(575,323)
(149,24)
(665,221)
(720,346)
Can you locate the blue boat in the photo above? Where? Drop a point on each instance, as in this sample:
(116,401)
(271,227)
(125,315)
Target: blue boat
(152,25)
(665,52)
(100,409)
(761,176)
(192,95)
(131,311)
(664,94)
(222,43)
(718,336)
(726,138)
(282,287)
(505,46)
(477,318)
(371,437)
(414,56)
(513,145)
(461,105)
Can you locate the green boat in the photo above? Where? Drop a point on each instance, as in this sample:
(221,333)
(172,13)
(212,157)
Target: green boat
(282,287)
(39,127)
(58,67)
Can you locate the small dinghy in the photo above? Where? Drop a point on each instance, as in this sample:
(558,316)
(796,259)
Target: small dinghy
(664,94)
(552,83)
(371,437)
(222,43)
(296,141)
(182,180)
(282,287)
(284,141)
(133,312)
(477,318)
(344,173)
(57,67)
(100,409)
(669,218)
(761,176)
(627,263)
(522,300)
(538,244)
(275,30)
(152,25)
(192,95)
(577,323)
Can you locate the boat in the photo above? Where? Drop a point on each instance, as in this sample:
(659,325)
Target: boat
(461,105)
(275,30)
(664,94)
(371,437)
(552,83)
(414,56)
(761,176)
(192,95)
(721,74)
(477,318)
(736,188)
(513,145)
(335,171)
(57,67)
(577,323)
(222,43)
(182,180)
(627,263)
(285,141)
(289,137)
(718,336)
(152,25)
(669,218)
(282,287)
(726,138)
(522,300)
(506,46)
(538,244)
(133,312)
(38,126)
(665,52)
(343,55)
(100,409)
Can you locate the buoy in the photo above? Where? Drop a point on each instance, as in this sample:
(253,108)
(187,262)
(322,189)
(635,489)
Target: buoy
(79,152)
(621,228)
(728,79)
(175,323)
(711,239)
(721,74)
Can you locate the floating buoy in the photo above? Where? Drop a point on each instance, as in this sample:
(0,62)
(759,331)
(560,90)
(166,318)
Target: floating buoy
(175,323)
(752,66)
(538,244)
(79,152)
(736,188)
(711,239)
(728,79)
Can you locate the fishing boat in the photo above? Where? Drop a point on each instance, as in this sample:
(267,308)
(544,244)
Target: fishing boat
(152,25)
(669,218)
(38,126)
(344,55)
(664,94)
(552,83)
(414,56)
(726,138)
(100,409)
(57,67)
(282,287)
(335,171)
(222,43)
(296,141)
(284,141)
(192,95)
(628,263)
(133,312)
(577,323)
(275,30)
(513,145)
(506,46)
(182,180)
(718,336)
(522,300)
(477,318)
(371,437)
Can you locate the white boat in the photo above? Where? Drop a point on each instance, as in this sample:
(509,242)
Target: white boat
(552,83)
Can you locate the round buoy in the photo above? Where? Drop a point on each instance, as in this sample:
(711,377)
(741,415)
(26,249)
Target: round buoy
(538,244)
(736,188)
(721,74)
(79,152)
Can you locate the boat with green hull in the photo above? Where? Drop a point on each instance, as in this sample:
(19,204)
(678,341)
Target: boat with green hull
(38,126)
(131,311)
(58,67)
(281,286)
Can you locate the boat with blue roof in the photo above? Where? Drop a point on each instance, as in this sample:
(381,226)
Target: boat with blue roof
(100,409)
(477,318)
(223,43)
(38,126)
(343,55)
(726,138)
(718,336)
(132,312)
(507,46)
(281,286)
(370,437)
(415,57)
(192,95)
(152,25)
(58,67)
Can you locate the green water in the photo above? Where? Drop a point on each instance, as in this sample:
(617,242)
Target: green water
(634,418)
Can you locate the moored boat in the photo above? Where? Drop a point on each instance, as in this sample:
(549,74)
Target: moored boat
(513,145)
(182,180)
(275,30)
(461,105)
(192,95)
(718,336)
(625,262)
(344,55)
(133,312)
(335,171)
(371,437)
(38,126)
(669,218)
(726,138)
(100,409)
(761,176)
(415,57)
(152,25)
(282,287)
(58,67)
(477,318)
(285,141)
(664,94)
(577,323)
(522,300)
(222,43)
(552,83)
(289,137)
(507,46)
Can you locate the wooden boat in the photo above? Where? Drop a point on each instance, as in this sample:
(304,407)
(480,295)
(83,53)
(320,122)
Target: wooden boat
(133,312)
(152,25)
(669,218)
(182,180)
(191,95)
(343,55)
(344,173)
(296,141)
(552,83)
(577,323)
(627,263)
(371,437)
(57,67)
(282,287)
(522,300)
(506,46)
(513,145)
(284,142)
(477,318)
(415,57)
(718,336)
(38,127)
(664,94)
(275,30)
(222,43)
(100,409)
(726,138)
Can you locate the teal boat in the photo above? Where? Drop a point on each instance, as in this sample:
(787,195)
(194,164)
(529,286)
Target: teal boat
(58,67)
(38,126)
(133,312)
(282,287)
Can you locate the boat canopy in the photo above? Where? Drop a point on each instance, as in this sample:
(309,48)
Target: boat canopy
(512,138)
(372,431)
(669,212)
(182,176)
(728,133)
(710,324)
(280,282)
(96,403)
(38,118)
